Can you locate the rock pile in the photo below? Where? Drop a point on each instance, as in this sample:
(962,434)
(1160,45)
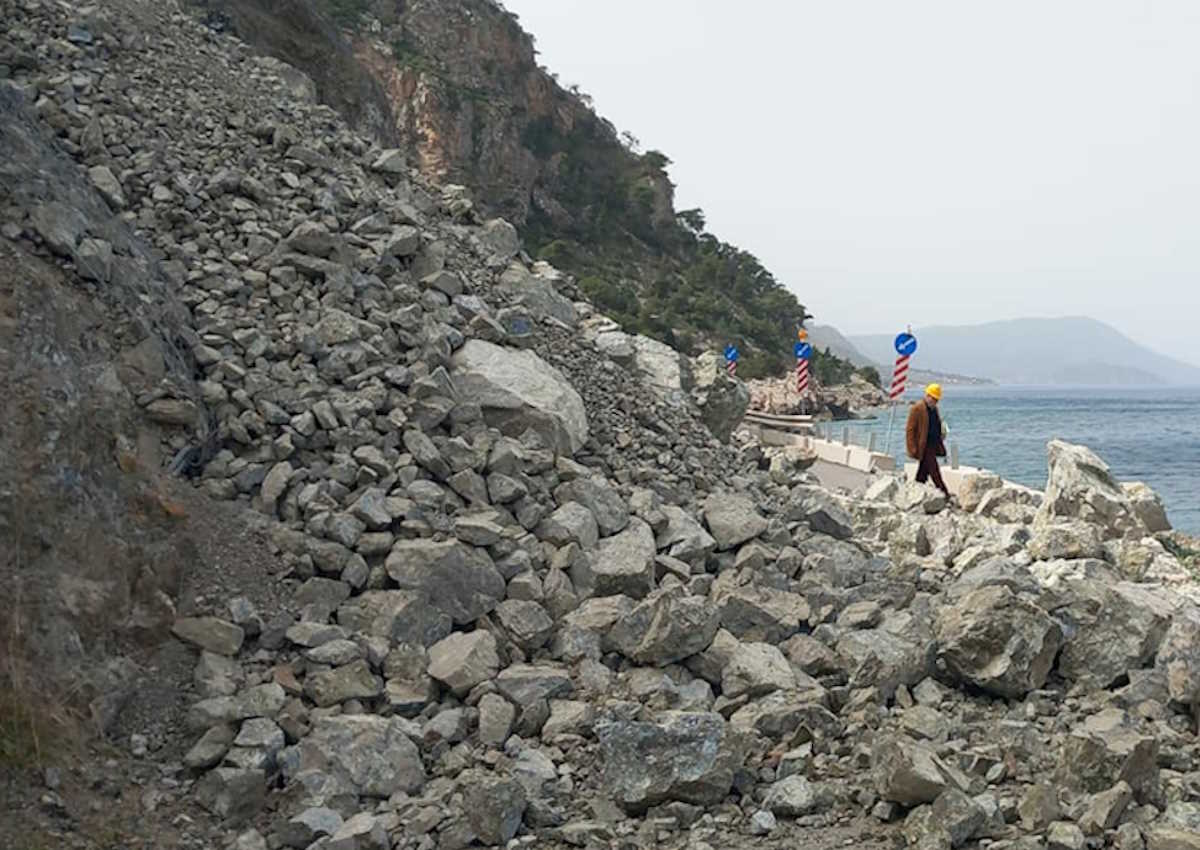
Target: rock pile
(532,600)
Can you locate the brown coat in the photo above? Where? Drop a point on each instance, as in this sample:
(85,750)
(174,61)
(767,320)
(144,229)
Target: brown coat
(917,432)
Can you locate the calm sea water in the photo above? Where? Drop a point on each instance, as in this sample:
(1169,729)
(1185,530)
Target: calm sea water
(1150,435)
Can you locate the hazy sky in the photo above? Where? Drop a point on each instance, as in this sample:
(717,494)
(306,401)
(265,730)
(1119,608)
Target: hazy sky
(921,162)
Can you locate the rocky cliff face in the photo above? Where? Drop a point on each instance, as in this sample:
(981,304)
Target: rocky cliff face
(444,570)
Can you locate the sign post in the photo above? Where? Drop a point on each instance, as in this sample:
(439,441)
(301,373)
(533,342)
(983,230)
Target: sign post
(803,352)
(906,347)
(731,359)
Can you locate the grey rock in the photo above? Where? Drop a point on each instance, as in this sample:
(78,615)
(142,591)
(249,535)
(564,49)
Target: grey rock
(496,718)
(371,755)
(607,507)
(998,641)
(494,806)
(210,634)
(796,797)
(526,623)
(310,825)
(353,681)
(667,627)
(211,748)
(571,523)
(732,519)
(517,390)
(457,579)
(463,660)
(689,757)
(909,773)
(619,565)
(231,794)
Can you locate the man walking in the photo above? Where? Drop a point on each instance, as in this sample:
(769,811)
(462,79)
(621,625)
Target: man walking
(924,437)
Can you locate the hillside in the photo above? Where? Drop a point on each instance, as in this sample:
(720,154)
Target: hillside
(468,97)
(1074,350)
(333,522)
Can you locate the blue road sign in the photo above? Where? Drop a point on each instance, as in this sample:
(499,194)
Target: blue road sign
(803,351)
(731,353)
(906,344)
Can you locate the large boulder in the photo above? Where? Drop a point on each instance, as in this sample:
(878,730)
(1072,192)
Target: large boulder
(666,371)
(732,519)
(722,400)
(519,391)
(363,754)
(1080,486)
(688,757)
(457,579)
(1179,658)
(666,627)
(1110,629)
(537,294)
(1148,506)
(998,641)
(1101,753)
(909,773)
(619,565)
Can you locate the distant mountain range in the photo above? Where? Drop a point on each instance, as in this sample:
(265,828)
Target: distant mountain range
(828,337)
(1072,350)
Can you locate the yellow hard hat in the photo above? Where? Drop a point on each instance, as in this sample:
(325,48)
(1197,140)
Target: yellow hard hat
(934,391)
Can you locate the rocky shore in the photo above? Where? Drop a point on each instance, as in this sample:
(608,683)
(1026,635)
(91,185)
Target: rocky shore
(463,568)
(856,399)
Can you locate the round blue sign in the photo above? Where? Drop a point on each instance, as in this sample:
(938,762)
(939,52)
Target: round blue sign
(731,352)
(906,344)
(803,351)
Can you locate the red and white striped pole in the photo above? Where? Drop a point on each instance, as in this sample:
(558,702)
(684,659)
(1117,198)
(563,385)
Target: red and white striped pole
(801,376)
(899,376)
(731,368)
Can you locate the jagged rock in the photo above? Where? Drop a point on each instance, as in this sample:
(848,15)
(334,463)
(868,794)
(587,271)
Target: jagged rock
(353,681)
(1065,540)
(457,579)
(667,627)
(525,623)
(909,773)
(1094,760)
(517,390)
(1080,487)
(525,684)
(1104,810)
(755,613)
(824,516)
(211,748)
(619,565)
(463,660)
(607,507)
(722,400)
(536,294)
(1064,835)
(500,239)
(494,806)
(756,669)
(683,538)
(1113,629)
(732,519)
(1039,807)
(997,641)
(689,757)
(1147,506)
(496,717)
(571,523)
(975,487)
(796,797)
(310,825)
(402,616)
(1179,658)
(232,794)
(363,831)
(210,634)
(663,368)
(369,755)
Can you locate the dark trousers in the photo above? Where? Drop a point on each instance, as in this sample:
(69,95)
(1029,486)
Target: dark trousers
(928,468)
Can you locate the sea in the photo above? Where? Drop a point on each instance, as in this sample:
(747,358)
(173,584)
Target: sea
(1150,434)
